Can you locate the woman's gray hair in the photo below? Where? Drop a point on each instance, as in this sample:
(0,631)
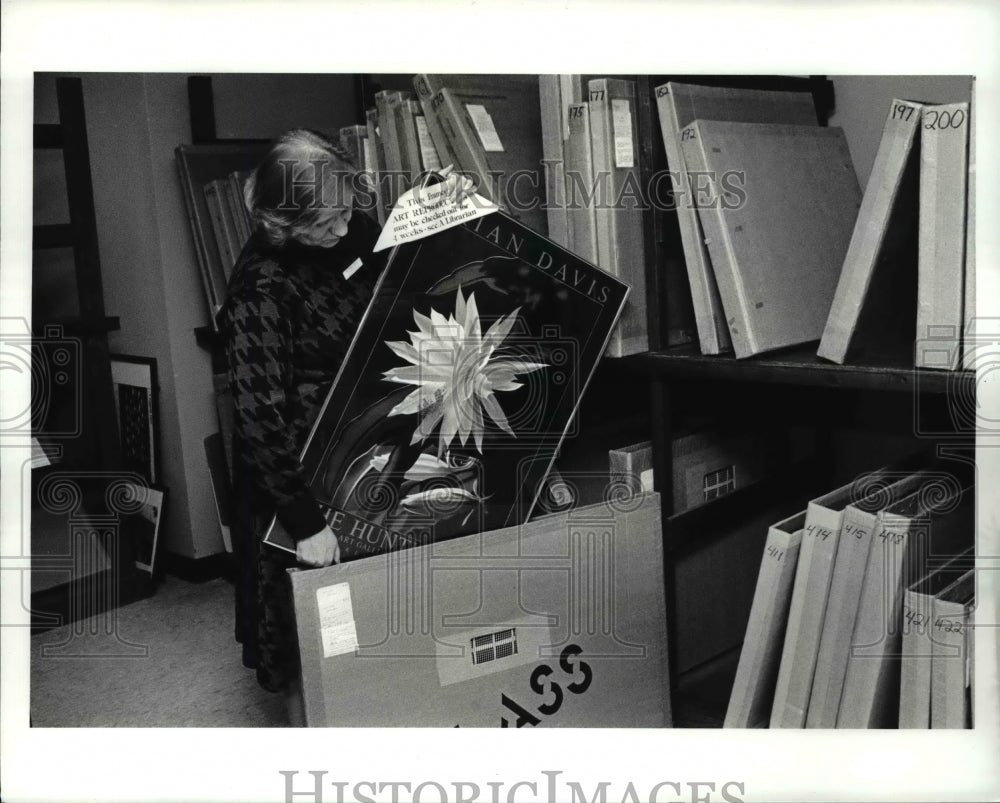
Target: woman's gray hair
(285,194)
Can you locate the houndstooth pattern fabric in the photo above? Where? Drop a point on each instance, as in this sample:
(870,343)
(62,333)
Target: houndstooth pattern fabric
(288,321)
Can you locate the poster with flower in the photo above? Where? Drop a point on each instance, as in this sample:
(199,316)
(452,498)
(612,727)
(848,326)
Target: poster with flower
(459,386)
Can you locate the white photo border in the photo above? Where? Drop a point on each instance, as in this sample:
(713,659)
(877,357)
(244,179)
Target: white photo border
(634,37)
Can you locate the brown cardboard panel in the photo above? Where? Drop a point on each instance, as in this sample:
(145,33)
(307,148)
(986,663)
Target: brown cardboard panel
(559,622)
(679,105)
(874,308)
(619,225)
(941,237)
(778,248)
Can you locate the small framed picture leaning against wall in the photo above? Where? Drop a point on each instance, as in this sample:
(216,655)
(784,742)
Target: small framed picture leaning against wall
(141,523)
(137,412)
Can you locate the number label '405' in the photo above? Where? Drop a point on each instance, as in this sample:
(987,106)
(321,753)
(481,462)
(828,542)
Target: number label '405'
(549,689)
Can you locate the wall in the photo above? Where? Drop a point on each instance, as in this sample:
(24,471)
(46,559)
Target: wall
(862,104)
(262,106)
(149,267)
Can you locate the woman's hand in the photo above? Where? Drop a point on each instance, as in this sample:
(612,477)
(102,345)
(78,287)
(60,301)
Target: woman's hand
(456,186)
(319,549)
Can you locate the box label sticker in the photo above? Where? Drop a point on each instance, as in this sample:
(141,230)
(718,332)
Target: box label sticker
(484,127)
(568,97)
(646,479)
(336,620)
(621,121)
(428,153)
(370,157)
(353,268)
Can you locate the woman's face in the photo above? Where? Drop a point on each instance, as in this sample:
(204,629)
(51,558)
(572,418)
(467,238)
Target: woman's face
(328,225)
(327,229)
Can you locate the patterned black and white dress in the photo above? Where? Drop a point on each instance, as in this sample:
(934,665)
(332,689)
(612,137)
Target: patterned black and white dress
(287,323)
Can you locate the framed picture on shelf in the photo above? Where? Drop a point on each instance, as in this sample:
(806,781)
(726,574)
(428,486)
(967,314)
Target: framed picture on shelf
(137,413)
(142,524)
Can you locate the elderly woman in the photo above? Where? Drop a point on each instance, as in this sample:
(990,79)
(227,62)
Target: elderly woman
(296,297)
(287,322)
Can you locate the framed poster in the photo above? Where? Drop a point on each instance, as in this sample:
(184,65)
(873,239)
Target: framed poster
(462,381)
(142,523)
(137,413)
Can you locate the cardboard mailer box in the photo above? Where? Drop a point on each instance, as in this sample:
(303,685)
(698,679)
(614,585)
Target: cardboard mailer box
(557,622)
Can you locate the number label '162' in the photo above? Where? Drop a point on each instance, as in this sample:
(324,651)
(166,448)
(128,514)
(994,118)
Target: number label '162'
(550,691)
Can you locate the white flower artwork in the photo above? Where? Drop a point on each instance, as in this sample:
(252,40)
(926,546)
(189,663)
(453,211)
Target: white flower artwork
(456,371)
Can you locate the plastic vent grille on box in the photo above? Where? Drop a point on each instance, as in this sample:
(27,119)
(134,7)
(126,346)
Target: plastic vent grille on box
(719,483)
(491,646)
